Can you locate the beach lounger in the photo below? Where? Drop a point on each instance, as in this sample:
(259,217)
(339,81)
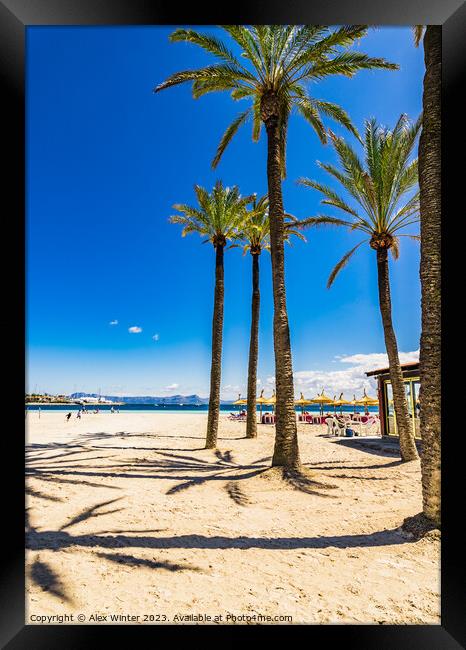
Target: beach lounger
(237,417)
(371,427)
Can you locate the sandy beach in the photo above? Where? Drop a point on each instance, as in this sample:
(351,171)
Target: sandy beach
(128,516)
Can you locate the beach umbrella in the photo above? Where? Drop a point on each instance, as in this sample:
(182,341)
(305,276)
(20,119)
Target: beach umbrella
(366,401)
(354,401)
(261,400)
(322,399)
(302,402)
(340,401)
(240,401)
(272,400)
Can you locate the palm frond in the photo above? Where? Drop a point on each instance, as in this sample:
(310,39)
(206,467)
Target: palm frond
(342,37)
(395,248)
(229,134)
(320,220)
(201,87)
(241,92)
(338,114)
(418,32)
(242,35)
(209,43)
(331,197)
(346,63)
(221,72)
(291,231)
(415,237)
(342,263)
(311,115)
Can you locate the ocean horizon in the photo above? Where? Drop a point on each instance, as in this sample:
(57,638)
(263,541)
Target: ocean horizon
(185,408)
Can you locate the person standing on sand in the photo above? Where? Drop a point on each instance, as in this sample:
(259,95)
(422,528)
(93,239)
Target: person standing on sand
(78,415)
(68,417)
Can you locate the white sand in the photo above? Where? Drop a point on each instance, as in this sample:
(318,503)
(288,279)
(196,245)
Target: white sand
(129,515)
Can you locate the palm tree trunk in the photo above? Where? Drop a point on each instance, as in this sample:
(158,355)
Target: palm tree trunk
(407,443)
(251,421)
(286,452)
(216,366)
(430,203)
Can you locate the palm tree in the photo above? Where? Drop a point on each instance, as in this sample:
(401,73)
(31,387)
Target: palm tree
(430,208)
(275,63)
(255,234)
(379,187)
(217,218)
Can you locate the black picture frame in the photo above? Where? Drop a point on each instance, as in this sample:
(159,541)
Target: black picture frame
(15,17)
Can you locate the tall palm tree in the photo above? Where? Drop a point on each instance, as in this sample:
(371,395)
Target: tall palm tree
(379,188)
(217,218)
(430,270)
(276,62)
(255,235)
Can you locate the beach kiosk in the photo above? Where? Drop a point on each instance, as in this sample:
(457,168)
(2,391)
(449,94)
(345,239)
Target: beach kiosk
(385,394)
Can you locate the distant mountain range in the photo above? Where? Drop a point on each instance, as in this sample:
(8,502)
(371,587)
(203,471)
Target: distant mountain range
(150,399)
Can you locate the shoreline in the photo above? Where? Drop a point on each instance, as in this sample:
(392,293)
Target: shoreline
(178,408)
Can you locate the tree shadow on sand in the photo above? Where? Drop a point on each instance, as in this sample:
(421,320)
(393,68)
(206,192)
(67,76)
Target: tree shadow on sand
(236,494)
(326,465)
(40,495)
(383,446)
(42,575)
(227,469)
(46,468)
(189,471)
(92,512)
(56,540)
(131,560)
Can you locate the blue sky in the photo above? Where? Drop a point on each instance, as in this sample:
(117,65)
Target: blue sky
(107,159)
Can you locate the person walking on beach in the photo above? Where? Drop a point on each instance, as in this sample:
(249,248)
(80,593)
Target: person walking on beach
(68,417)
(78,415)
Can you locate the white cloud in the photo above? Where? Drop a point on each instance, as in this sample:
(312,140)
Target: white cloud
(135,329)
(377,359)
(155,337)
(350,380)
(113,322)
(230,391)
(171,387)
(271,381)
